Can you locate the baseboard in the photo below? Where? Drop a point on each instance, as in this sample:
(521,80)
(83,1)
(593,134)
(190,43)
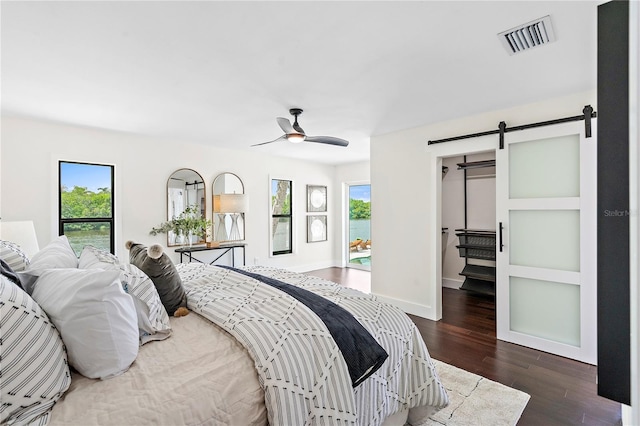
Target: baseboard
(451,283)
(423,311)
(313,266)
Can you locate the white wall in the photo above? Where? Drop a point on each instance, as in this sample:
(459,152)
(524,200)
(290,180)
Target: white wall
(405,217)
(28,169)
(452,208)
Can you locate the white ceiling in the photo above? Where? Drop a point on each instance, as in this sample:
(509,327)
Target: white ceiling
(220,73)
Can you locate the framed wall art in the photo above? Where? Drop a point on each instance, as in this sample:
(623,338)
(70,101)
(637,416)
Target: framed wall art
(316,198)
(316,228)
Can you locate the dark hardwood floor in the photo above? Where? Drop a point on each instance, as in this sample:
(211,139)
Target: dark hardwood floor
(563,391)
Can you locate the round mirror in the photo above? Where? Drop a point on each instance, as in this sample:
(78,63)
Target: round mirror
(186,208)
(229,206)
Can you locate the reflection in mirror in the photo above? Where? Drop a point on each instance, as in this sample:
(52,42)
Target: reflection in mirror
(185,197)
(229,206)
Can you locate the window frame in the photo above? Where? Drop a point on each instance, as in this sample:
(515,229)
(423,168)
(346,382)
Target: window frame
(110,220)
(273,216)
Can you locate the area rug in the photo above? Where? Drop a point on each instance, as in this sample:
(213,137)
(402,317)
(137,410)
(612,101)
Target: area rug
(475,400)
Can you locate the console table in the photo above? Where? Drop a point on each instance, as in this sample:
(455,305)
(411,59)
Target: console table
(219,251)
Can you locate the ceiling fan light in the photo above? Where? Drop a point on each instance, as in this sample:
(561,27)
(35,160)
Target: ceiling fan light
(295,137)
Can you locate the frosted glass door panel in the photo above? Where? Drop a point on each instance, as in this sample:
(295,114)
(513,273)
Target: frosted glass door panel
(545,239)
(546,168)
(545,273)
(545,309)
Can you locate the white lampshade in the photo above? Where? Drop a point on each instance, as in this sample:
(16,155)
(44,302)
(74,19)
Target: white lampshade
(231,203)
(22,233)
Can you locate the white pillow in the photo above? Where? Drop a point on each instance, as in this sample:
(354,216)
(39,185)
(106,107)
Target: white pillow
(96,318)
(34,371)
(57,254)
(153,320)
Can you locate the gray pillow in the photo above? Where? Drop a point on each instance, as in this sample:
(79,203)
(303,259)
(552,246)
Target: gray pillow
(23,280)
(159,267)
(6,270)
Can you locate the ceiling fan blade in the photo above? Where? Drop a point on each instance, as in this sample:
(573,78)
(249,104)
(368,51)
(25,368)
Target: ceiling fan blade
(281,138)
(328,140)
(285,125)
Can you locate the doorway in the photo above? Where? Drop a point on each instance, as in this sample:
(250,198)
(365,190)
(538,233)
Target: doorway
(358,250)
(468,211)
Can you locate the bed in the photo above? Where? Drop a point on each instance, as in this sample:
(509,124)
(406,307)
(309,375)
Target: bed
(248,353)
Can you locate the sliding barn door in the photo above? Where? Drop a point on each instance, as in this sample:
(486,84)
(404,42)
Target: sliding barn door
(546,245)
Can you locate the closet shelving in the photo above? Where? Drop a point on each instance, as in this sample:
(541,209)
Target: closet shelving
(476,164)
(479,246)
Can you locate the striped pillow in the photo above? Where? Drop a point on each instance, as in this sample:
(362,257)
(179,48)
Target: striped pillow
(153,321)
(13,255)
(34,367)
(93,257)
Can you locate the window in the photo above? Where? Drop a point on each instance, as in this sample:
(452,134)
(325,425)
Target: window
(281,217)
(359,252)
(85,204)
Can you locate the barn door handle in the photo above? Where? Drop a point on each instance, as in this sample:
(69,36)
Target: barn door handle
(500,235)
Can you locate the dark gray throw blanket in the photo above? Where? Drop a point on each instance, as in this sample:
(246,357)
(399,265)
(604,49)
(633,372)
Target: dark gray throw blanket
(362,353)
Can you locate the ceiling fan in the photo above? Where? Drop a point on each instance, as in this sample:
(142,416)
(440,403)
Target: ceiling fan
(294,133)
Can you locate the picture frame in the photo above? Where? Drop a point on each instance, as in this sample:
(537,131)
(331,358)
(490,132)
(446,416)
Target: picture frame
(316,198)
(316,228)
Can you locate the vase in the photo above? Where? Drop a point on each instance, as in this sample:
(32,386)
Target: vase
(180,238)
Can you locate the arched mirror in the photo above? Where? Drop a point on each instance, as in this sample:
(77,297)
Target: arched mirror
(230,203)
(186,208)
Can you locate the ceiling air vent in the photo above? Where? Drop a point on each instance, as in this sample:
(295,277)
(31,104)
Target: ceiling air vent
(527,36)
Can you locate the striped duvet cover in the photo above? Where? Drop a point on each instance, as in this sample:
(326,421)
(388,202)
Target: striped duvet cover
(299,366)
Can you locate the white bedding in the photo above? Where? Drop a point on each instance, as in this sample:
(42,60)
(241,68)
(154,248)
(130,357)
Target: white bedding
(198,376)
(202,375)
(305,378)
